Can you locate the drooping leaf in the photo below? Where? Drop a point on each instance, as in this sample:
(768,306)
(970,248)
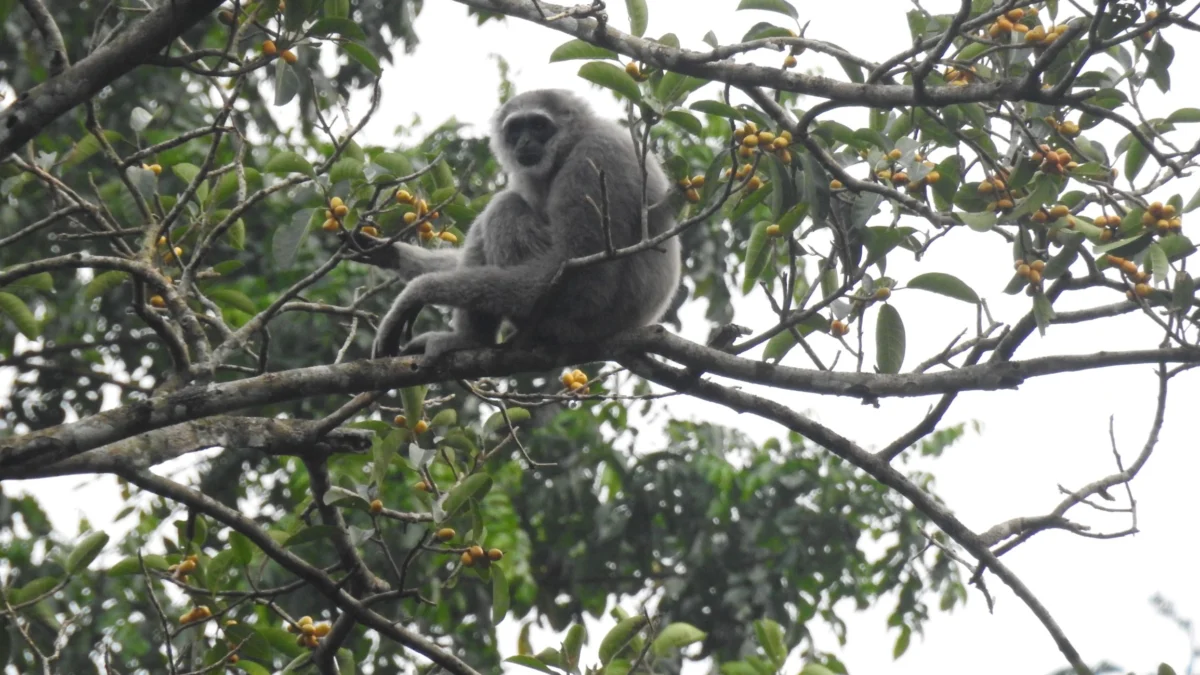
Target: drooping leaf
(17,311)
(944,284)
(86,551)
(474,486)
(287,82)
(500,597)
(287,239)
(676,636)
(639,15)
(889,340)
(758,251)
(578,49)
(770,638)
(611,77)
(288,162)
(531,663)
(781,6)
(364,57)
(336,25)
(619,637)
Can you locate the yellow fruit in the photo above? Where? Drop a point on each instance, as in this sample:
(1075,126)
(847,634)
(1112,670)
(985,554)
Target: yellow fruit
(1023,270)
(692,195)
(883,293)
(476,551)
(156,168)
(289,56)
(410,217)
(1068,129)
(369,230)
(753,184)
(1039,217)
(321,630)
(567,379)
(1035,277)
(1059,210)
(750,141)
(1037,265)
(1004,204)
(341,210)
(335,202)
(579,376)
(899,177)
(422,486)
(269,48)
(685,182)
(307,628)
(1015,14)
(835,184)
(633,70)
(233,658)
(404,196)
(751,128)
(773,230)
(226,17)
(697,181)
(932,177)
(895,154)
(1148,219)
(838,328)
(446,533)
(985,188)
(1175,223)
(400,420)
(466,559)
(330,225)
(785,156)
(421,426)
(425,227)
(745,151)
(786,135)
(1167,211)
(1143,290)
(495,554)
(422,207)
(427,236)
(789,61)
(449,237)
(765,138)
(376,506)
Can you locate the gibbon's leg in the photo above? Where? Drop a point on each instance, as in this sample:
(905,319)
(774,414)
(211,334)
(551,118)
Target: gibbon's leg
(498,291)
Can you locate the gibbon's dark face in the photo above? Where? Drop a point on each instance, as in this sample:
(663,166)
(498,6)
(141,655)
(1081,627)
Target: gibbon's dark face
(527,136)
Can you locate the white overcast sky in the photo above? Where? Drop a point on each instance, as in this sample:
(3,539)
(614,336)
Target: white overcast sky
(1049,433)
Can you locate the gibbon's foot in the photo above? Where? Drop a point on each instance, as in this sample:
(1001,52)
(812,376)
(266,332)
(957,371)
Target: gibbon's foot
(437,343)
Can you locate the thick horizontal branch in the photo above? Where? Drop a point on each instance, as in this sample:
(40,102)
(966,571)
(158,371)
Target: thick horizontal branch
(269,435)
(43,104)
(68,440)
(698,64)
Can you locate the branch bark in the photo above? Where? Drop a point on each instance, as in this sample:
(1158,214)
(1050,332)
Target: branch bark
(40,106)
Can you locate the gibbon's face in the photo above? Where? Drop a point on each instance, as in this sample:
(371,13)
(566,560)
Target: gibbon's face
(527,135)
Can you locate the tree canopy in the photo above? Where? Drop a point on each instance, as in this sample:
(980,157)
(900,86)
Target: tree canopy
(194,239)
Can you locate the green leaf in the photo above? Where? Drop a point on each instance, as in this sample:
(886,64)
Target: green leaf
(313,533)
(531,663)
(364,57)
(1159,264)
(902,642)
(185,172)
(781,6)
(19,313)
(346,169)
(288,162)
(1183,292)
(717,109)
(86,551)
(131,565)
(340,495)
(236,234)
(445,418)
(573,643)
(1043,313)
(676,636)
(980,222)
(675,87)
(333,25)
(42,281)
(578,49)
(231,297)
(611,77)
(1184,116)
(889,340)
(474,486)
(242,547)
(496,421)
(287,82)
(770,637)
(1135,159)
(33,589)
(499,594)
(758,251)
(639,15)
(686,121)
(944,284)
(816,669)
(619,636)
(287,239)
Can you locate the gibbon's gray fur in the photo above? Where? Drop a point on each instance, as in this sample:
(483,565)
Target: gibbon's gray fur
(553,148)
